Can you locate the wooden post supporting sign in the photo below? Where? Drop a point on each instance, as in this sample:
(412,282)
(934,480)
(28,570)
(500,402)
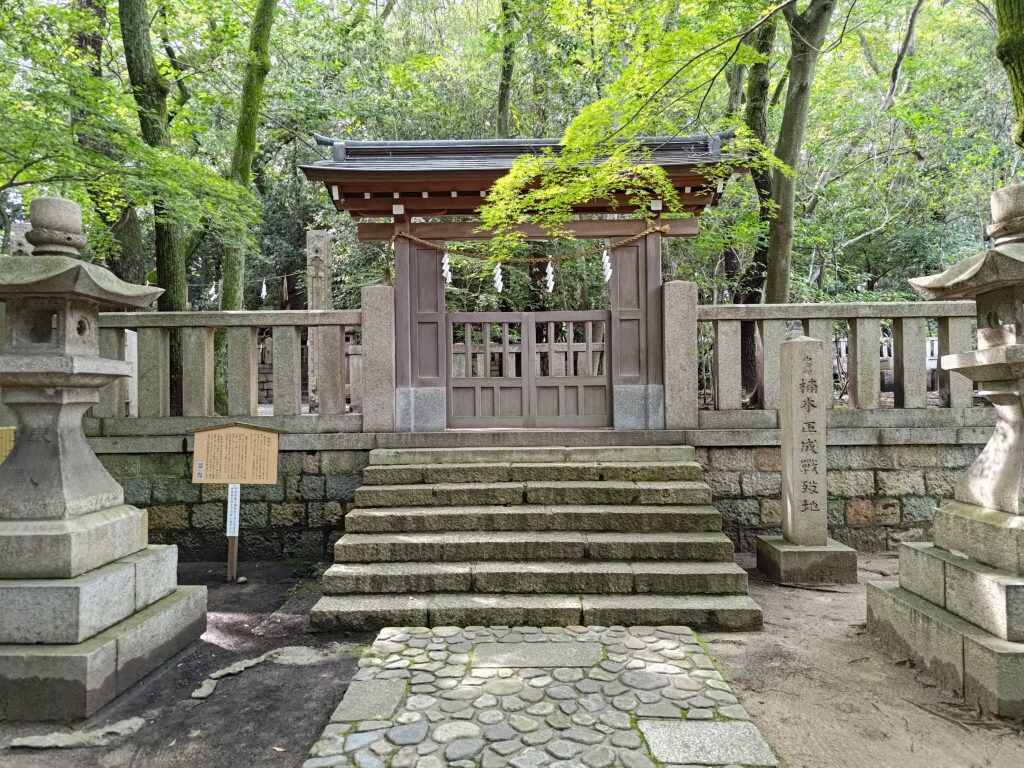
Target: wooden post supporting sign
(234,454)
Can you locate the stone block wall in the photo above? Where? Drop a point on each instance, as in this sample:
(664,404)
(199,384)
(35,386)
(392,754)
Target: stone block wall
(879,496)
(300,517)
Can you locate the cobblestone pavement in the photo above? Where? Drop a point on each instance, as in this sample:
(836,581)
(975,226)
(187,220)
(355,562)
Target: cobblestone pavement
(526,696)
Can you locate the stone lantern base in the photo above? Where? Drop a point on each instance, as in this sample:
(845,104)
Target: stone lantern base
(89,610)
(958,609)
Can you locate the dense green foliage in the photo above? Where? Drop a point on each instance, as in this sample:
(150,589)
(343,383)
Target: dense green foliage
(906,133)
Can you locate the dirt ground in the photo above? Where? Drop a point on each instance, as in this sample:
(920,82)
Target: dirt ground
(824,693)
(267,716)
(818,686)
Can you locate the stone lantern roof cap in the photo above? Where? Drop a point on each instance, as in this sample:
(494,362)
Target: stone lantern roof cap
(1001,266)
(64,276)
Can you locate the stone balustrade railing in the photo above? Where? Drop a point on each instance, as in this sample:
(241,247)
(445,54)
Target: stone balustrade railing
(913,331)
(334,395)
(334,401)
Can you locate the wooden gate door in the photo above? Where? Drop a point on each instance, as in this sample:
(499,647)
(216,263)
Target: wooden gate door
(524,369)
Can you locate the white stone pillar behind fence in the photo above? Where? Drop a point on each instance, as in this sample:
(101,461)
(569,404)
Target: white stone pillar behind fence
(680,354)
(802,421)
(378,363)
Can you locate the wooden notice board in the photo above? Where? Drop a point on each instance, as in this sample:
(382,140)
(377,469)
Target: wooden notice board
(237,453)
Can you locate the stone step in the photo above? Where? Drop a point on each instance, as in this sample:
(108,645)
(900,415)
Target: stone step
(701,612)
(615,577)
(535,492)
(555,454)
(986,597)
(414,474)
(515,546)
(629,519)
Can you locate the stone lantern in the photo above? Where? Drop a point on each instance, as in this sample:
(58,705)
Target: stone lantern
(958,609)
(87,607)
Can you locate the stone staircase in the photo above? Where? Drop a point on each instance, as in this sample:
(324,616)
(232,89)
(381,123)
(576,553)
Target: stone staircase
(534,536)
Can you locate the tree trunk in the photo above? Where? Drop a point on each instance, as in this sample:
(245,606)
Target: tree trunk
(240,171)
(233,267)
(129,261)
(150,89)
(750,284)
(807,34)
(1010,51)
(508,51)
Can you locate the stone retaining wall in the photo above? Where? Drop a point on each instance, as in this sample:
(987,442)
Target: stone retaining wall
(879,496)
(301,516)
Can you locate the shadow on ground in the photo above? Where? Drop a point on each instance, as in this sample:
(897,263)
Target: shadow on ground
(267,715)
(819,687)
(825,694)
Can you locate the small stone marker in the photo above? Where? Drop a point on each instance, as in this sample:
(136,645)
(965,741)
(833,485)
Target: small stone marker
(802,418)
(804,553)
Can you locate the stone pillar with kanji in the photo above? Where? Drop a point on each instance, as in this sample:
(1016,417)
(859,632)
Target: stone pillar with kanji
(319,275)
(804,553)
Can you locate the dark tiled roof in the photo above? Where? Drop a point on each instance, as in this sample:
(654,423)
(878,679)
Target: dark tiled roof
(492,154)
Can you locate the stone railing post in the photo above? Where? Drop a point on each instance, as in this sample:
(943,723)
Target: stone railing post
(378,363)
(680,354)
(955,335)
(804,553)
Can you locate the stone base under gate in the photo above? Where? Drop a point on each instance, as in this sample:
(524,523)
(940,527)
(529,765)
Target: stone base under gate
(528,696)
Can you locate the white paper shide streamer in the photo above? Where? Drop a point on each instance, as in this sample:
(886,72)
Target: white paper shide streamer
(446,269)
(550,272)
(606,265)
(498,282)
(263,291)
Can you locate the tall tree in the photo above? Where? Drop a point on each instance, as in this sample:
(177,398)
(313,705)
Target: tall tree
(807,34)
(127,259)
(506,17)
(1010,50)
(256,69)
(150,90)
(750,284)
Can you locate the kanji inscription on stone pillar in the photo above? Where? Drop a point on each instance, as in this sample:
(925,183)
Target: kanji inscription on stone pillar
(319,276)
(802,421)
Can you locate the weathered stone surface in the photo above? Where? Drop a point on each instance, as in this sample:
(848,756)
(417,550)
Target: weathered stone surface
(901,483)
(715,743)
(67,682)
(69,611)
(914,628)
(990,537)
(803,425)
(369,700)
(537,655)
(923,572)
(61,549)
(851,483)
(781,561)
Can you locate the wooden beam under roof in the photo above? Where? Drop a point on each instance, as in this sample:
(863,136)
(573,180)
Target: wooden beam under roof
(584,230)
